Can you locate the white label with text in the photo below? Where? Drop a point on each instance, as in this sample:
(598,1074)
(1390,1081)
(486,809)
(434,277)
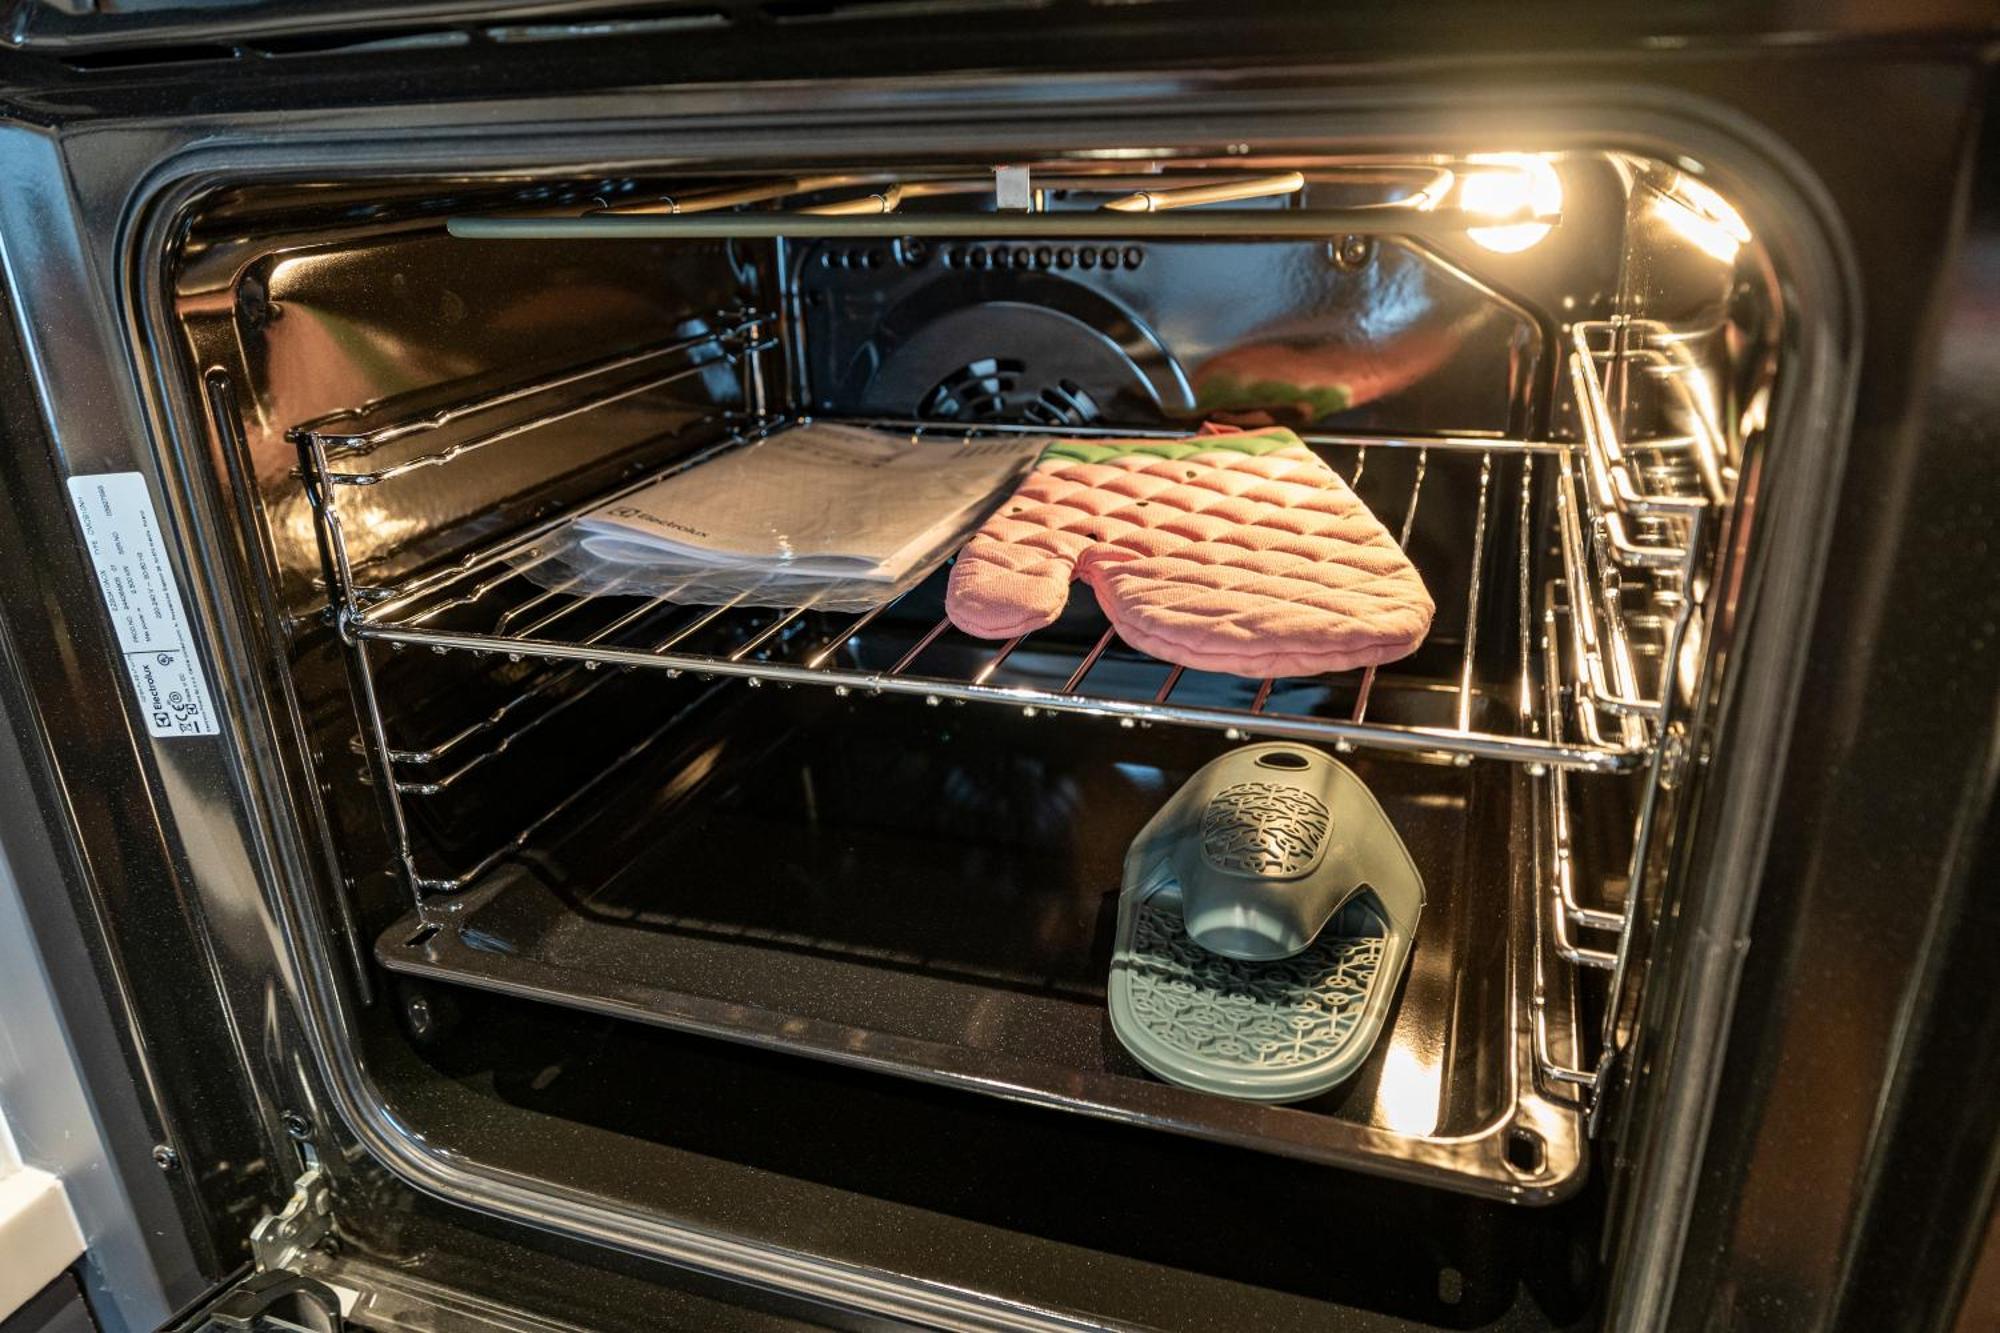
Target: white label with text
(130,555)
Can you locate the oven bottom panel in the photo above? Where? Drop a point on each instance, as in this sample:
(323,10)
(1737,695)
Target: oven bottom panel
(907,890)
(1111,1224)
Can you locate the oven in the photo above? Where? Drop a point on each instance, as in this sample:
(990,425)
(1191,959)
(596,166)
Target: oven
(478,944)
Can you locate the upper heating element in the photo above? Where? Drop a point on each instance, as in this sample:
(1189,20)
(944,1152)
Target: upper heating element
(1325,298)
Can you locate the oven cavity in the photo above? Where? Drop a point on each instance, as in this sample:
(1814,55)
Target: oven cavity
(871,839)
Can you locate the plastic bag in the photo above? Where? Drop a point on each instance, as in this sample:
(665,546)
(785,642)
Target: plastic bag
(838,517)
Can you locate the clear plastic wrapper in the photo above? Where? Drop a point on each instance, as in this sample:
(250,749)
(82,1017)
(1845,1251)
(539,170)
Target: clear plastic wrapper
(838,517)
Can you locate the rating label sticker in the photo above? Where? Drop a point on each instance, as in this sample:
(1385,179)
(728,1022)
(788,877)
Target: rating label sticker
(123,533)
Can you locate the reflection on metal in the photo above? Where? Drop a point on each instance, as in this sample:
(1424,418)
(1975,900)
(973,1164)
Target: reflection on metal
(1703,218)
(1409,1090)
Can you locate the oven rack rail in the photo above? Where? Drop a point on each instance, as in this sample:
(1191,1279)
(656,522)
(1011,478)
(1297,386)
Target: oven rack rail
(730,337)
(1635,518)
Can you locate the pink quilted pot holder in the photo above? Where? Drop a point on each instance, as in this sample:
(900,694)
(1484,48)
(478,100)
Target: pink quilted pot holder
(1241,553)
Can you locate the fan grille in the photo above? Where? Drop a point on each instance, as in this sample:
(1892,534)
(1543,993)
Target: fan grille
(1000,389)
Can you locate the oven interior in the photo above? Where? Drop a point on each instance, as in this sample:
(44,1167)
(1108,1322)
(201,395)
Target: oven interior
(796,924)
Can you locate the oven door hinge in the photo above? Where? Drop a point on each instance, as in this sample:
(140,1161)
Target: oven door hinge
(278,1296)
(281,1240)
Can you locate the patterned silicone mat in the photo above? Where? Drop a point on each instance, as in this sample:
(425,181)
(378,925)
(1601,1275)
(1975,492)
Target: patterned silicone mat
(1243,1018)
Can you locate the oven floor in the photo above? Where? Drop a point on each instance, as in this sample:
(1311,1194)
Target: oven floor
(932,892)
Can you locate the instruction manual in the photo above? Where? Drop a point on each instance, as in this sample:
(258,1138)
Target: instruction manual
(819,503)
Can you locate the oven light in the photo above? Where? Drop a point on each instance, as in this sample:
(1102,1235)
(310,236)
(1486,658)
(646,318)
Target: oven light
(1505,185)
(1701,217)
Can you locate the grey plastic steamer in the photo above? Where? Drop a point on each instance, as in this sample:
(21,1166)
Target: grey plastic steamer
(1267,915)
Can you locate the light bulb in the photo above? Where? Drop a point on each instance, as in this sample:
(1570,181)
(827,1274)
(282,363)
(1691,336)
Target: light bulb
(1506,185)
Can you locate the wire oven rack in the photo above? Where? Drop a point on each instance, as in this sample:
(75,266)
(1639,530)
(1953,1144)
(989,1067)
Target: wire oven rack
(484,604)
(488,604)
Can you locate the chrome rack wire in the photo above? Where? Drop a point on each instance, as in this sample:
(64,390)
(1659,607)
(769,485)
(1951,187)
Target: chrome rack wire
(1635,511)
(359,432)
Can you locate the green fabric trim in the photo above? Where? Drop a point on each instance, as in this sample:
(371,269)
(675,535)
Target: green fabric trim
(1225,393)
(1250,442)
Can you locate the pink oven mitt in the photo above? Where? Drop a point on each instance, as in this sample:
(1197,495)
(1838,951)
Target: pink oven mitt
(1241,552)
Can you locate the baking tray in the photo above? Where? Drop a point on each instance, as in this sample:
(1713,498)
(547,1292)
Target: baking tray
(914,891)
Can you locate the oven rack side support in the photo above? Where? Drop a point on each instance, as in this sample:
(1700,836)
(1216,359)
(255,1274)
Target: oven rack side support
(732,337)
(1610,522)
